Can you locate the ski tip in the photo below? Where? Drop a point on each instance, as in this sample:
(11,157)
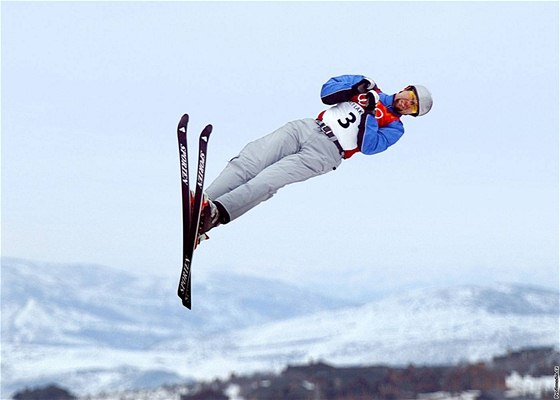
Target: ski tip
(187,303)
(182,126)
(184,119)
(208,128)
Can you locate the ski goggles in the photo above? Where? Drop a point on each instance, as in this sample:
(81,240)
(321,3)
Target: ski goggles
(413,98)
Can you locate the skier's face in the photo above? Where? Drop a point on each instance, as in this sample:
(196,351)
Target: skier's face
(405,102)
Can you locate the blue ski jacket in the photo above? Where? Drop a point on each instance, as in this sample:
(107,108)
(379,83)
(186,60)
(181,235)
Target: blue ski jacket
(379,128)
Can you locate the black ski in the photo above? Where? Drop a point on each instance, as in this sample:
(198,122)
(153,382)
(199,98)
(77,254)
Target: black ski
(191,213)
(186,203)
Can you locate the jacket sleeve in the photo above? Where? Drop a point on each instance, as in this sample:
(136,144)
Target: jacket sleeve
(341,88)
(372,139)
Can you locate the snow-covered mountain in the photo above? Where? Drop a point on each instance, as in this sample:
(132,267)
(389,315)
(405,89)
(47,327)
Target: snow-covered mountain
(92,304)
(79,320)
(93,328)
(425,327)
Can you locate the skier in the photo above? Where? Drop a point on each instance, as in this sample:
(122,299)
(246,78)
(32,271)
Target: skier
(362,119)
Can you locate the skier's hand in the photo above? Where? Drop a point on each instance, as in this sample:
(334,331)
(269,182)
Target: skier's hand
(371,84)
(373,98)
(365,85)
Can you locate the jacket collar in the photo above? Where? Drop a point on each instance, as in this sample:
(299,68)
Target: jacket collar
(387,101)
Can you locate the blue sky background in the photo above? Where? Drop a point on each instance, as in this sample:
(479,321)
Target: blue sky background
(92,92)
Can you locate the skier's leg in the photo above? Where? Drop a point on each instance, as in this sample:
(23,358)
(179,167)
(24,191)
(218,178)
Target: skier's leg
(316,156)
(255,157)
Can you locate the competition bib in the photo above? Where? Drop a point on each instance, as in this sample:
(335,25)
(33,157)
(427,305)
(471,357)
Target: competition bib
(344,120)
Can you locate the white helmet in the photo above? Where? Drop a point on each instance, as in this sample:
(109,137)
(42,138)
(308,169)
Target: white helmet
(425,100)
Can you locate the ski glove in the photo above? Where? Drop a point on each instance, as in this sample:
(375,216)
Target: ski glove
(364,85)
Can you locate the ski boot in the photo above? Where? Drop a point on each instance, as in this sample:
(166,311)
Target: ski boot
(209,217)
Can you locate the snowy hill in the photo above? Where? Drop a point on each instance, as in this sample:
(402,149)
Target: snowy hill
(92,328)
(60,319)
(91,304)
(424,327)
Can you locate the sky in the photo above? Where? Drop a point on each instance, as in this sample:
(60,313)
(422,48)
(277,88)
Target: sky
(92,93)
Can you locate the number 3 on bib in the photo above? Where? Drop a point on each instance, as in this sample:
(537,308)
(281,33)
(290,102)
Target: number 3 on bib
(348,121)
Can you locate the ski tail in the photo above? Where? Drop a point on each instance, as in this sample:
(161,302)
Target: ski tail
(191,214)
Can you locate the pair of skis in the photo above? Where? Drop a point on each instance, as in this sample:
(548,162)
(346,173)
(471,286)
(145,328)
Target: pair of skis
(191,210)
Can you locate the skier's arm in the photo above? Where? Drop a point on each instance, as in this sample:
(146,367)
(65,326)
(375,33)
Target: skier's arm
(343,88)
(372,139)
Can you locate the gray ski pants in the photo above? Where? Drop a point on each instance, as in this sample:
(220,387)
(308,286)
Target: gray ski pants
(295,152)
